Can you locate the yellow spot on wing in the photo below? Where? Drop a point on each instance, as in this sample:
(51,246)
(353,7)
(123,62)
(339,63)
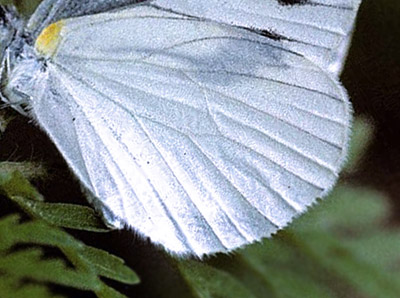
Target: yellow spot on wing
(47,42)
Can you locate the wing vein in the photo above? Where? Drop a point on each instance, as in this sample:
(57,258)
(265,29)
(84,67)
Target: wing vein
(221,134)
(279,119)
(172,172)
(250,149)
(161,156)
(235,141)
(209,158)
(238,74)
(292,148)
(179,230)
(324,30)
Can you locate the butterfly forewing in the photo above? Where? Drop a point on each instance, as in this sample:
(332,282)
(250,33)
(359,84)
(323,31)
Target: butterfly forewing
(317,29)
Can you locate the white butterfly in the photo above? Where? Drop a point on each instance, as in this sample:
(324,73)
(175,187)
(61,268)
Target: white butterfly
(204,125)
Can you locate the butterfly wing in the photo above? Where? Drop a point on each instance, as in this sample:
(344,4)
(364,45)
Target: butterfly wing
(319,29)
(203,137)
(50,11)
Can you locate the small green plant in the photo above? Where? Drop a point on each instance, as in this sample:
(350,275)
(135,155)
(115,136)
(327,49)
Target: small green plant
(25,271)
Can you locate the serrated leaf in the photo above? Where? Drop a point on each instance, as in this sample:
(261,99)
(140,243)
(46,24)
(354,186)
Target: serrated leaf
(63,215)
(15,186)
(90,263)
(29,264)
(108,265)
(37,232)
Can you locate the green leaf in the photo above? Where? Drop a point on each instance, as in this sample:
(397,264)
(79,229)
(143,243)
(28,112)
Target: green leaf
(29,264)
(108,292)
(15,184)
(89,263)
(9,288)
(34,232)
(63,215)
(109,266)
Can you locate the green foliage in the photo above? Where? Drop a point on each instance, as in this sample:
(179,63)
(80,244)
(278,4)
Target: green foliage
(28,270)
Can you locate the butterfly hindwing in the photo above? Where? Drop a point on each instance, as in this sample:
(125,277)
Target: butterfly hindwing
(202,136)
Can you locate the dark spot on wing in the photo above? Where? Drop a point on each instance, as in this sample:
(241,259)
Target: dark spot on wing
(266,33)
(292,2)
(312,3)
(270,34)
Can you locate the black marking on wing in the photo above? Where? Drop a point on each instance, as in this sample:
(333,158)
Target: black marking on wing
(292,2)
(311,3)
(270,34)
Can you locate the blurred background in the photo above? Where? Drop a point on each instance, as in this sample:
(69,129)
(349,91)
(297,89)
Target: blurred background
(347,246)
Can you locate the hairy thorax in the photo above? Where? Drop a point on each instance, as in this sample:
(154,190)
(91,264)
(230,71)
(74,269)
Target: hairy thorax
(20,68)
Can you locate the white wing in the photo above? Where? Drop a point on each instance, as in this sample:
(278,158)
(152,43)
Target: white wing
(317,29)
(203,137)
(50,11)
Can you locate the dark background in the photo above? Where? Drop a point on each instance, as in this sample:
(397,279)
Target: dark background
(372,78)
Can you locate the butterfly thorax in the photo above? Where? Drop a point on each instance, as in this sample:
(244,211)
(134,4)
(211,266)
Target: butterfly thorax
(19,63)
